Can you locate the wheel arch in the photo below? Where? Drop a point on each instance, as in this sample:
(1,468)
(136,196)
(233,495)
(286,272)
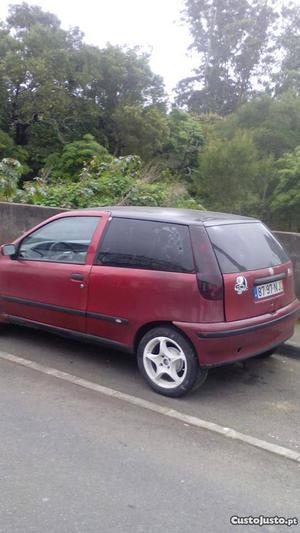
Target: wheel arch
(151,325)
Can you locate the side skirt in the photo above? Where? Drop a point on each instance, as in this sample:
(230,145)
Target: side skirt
(67,333)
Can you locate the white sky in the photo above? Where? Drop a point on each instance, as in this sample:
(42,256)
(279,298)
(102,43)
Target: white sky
(153,24)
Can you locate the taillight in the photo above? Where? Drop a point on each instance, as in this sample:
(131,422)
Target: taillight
(212,289)
(209,277)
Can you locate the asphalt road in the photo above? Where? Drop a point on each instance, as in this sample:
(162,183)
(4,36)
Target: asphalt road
(260,398)
(76,461)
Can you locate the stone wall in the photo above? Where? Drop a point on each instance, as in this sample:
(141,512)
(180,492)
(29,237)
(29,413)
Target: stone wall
(15,219)
(291,242)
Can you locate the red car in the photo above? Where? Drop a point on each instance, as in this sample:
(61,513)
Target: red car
(186,290)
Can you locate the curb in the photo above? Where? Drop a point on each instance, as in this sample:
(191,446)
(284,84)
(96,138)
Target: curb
(290,349)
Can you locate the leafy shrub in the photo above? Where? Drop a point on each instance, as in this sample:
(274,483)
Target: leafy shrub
(108,181)
(10,171)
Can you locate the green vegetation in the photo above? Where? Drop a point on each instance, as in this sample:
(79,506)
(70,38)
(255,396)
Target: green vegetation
(83,126)
(106,180)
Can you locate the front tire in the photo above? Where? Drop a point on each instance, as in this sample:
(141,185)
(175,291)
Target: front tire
(168,362)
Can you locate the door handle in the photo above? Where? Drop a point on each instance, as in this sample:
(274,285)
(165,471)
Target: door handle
(77,277)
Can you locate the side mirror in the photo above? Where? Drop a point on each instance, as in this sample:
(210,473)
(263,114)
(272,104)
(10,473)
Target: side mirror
(8,250)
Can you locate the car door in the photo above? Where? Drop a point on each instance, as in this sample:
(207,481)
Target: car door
(143,272)
(47,282)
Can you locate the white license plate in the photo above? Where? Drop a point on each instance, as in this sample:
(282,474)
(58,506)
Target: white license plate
(268,289)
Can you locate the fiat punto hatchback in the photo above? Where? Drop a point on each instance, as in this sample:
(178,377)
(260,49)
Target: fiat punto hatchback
(185,290)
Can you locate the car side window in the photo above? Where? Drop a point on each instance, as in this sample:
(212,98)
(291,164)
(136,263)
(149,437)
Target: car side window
(65,240)
(131,243)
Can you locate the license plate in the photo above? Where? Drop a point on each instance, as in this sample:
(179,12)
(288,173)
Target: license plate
(268,289)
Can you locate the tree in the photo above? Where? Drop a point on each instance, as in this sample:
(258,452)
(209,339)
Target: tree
(127,95)
(182,147)
(69,163)
(122,75)
(37,72)
(230,175)
(285,204)
(8,149)
(273,122)
(55,89)
(288,47)
(232,40)
(139,130)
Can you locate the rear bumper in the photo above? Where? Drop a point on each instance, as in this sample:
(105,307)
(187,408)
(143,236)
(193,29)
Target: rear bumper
(219,343)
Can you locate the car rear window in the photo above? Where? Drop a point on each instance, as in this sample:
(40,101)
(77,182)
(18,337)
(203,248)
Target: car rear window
(243,247)
(131,243)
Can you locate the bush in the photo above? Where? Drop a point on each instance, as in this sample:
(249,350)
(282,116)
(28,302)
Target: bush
(10,171)
(108,181)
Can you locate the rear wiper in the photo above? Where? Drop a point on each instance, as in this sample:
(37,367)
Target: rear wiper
(241,268)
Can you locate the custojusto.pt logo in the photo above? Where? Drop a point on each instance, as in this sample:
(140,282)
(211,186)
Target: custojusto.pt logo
(262,520)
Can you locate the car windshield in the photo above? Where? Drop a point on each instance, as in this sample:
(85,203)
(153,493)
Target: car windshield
(243,247)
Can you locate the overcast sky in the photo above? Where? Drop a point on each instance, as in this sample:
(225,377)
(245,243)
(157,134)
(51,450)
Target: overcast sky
(154,24)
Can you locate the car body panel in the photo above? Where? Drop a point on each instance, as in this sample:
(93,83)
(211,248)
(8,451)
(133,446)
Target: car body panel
(141,297)
(44,291)
(218,344)
(240,305)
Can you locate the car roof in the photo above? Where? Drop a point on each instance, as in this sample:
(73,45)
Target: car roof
(174,215)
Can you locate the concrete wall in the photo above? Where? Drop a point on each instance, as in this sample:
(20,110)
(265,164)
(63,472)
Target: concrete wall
(17,218)
(291,242)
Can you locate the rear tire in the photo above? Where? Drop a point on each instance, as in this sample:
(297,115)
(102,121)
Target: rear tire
(168,362)
(3,326)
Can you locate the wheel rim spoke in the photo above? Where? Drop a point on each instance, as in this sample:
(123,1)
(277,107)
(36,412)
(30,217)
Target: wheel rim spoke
(163,348)
(155,358)
(172,372)
(160,371)
(176,358)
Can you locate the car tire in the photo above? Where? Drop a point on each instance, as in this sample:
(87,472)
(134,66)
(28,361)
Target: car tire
(168,362)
